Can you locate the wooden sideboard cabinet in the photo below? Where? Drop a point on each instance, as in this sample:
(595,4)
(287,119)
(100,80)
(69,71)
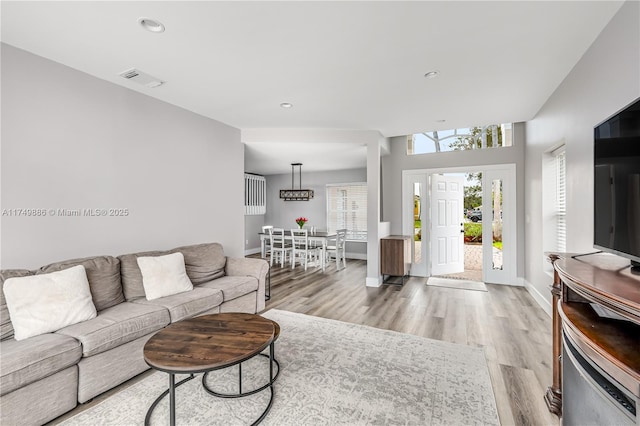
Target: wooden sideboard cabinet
(596,323)
(395,256)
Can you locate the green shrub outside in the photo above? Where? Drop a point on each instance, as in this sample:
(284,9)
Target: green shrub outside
(473,232)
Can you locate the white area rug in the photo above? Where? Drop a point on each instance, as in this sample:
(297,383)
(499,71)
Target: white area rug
(332,373)
(456,283)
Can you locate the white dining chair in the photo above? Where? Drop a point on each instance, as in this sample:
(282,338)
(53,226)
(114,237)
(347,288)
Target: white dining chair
(313,243)
(280,248)
(302,250)
(267,243)
(336,248)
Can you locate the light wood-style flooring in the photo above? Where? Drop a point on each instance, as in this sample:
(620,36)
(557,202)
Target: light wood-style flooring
(513,330)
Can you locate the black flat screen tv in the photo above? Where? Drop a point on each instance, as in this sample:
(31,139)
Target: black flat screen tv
(616,219)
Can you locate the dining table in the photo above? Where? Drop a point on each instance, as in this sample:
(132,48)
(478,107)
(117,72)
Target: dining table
(316,236)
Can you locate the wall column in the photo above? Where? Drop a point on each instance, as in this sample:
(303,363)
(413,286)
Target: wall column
(374,279)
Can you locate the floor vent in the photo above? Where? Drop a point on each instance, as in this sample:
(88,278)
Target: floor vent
(141,78)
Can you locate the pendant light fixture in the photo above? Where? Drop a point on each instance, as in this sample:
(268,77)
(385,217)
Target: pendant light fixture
(296,194)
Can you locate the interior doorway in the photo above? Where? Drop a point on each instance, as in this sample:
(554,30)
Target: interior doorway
(475,232)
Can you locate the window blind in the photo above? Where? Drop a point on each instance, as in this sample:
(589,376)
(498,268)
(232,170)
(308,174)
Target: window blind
(561,201)
(347,209)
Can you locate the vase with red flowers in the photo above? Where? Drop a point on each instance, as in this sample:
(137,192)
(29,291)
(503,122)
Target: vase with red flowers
(301,221)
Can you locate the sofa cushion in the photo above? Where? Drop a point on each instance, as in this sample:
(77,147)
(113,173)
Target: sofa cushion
(203,262)
(188,304)
(44,303)
(40,402)
(163,275)
(103,273)
(233,287)
(116,325)
(101,372)
(6,327)
(26,361)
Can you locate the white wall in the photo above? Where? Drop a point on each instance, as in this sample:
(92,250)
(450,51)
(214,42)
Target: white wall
(374,190)
(72,141)
(394,164)
(282,213)
(252,225)
(605,79)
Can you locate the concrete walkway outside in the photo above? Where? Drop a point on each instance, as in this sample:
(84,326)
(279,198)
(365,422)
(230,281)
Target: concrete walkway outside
(473,263)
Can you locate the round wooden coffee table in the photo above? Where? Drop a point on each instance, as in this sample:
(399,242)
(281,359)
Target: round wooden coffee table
(212,342)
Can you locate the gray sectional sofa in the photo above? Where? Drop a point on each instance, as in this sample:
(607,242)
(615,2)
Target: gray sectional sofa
(44,376)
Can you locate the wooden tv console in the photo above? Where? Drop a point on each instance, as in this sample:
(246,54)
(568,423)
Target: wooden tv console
(611,344)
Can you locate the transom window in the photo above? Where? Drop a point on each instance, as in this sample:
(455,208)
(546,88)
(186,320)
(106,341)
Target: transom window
(347,209)
(480,137)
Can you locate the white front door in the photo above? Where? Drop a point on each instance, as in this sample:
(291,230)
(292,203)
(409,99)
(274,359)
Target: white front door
(447,225)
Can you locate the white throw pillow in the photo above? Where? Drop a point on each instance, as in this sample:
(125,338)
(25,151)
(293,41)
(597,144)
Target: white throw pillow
(43,303)
(164,275)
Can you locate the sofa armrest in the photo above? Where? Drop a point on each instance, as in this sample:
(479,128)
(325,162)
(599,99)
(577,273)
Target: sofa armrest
(249,267)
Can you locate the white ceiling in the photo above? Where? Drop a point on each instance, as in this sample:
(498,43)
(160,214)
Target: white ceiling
(276,157)
(343,65)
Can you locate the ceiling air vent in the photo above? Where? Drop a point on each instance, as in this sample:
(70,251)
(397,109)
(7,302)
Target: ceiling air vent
(141,78)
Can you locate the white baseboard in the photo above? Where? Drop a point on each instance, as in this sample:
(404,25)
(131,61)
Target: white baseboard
(374,282)
(252,251)
(539,298)
(519,282)
(358,256)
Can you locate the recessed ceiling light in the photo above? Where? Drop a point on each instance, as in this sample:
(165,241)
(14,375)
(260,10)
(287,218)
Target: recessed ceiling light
(432,74)
(440,121)
(151,25)
(286,105)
